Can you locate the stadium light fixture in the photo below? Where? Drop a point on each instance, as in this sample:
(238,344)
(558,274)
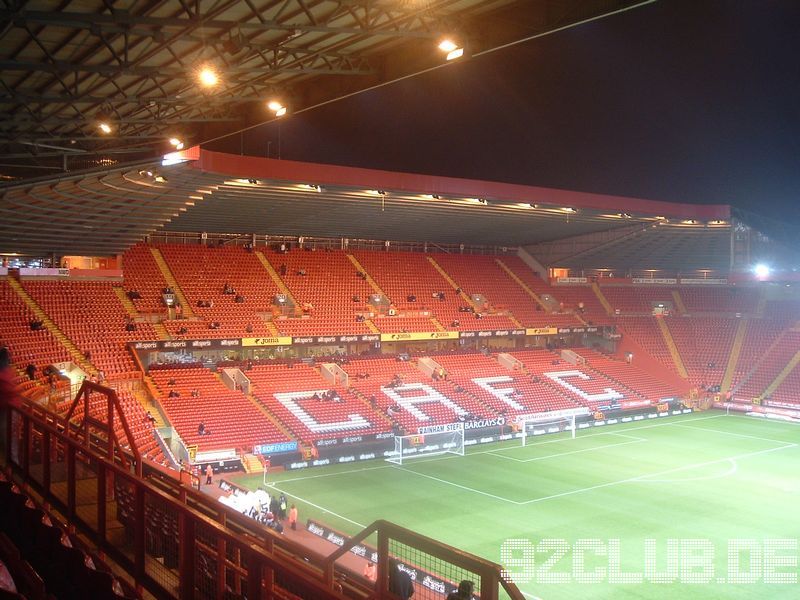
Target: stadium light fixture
(278,108)
(447,45)
(176,143)
(104,127)
(207,76)
(451,48)
(762,270)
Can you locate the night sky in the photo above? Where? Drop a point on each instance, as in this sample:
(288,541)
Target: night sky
(682,100)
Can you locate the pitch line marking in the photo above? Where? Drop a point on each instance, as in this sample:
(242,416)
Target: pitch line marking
(594,448)
(742,435)
(638,478)
(305,477)
(731,471)
(458,485)
(494,451)
(317,506)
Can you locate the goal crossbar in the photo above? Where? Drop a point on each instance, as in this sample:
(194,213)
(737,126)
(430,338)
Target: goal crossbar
(429,441)
(534,427)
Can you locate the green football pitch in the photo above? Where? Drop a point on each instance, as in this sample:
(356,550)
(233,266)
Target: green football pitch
(678,507)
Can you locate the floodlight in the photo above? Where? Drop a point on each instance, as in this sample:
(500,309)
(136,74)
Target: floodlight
(761,270)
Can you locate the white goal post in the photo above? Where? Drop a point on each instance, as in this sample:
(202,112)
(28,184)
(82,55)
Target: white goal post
(429,441)
(531,427)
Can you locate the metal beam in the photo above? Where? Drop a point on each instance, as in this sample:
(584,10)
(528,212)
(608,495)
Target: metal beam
(121,22)
(33,96)
(167,73)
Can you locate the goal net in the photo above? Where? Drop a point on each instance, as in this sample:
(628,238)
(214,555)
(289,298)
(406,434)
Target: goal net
(430,441)
(531,427)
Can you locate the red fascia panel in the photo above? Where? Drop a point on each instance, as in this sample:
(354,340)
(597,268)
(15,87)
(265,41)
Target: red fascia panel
(233,165)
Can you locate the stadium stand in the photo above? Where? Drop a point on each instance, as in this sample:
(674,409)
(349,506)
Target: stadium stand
(327,289)
(330,417)
(403,275)
(482,275)
(704,346)
(27,346)
(142,275)
(90,313)
(240,425)
(202,274)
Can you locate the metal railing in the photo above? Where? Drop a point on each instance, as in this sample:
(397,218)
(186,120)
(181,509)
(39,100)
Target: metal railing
(177,542)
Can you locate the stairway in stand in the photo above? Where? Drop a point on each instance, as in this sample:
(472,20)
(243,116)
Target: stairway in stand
(360,268)
(130,309)
(268,414)
(733,358)
(141,394)
(77,356)
(172,282)
(679,305)
(437,324)
(522,284)
(273,274)
(673,349)
(790,366)
(452,283)
(602,298)
(252,464)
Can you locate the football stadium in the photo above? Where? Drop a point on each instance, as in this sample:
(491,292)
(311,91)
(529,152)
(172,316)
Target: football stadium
(229,374)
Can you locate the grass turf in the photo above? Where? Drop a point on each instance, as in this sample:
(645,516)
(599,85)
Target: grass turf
(702,476)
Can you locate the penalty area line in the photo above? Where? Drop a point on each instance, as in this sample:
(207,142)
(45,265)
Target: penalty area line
(643,477)
(317,506)
(592,449)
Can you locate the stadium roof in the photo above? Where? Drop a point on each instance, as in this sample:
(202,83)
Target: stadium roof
(67,66)
(105,212)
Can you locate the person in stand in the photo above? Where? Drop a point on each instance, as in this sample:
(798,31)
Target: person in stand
(293,517)
(464,591)
(209,474)
(370,572)
(9,394)
(30,371)
(399,581)
(201,428)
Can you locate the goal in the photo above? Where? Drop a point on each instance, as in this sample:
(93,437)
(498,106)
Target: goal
(532,427)
(430,441)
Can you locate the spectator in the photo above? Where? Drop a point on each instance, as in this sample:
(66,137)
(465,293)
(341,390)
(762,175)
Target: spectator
(248,328)
(8,390)
(356,299)
(282,270)
(150,417)
(209,474)
(464,591)
(301,272)
(369,571)
(30,370)
(182,331)
(411,298)
(201,428)
(239,299)
(399,581)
